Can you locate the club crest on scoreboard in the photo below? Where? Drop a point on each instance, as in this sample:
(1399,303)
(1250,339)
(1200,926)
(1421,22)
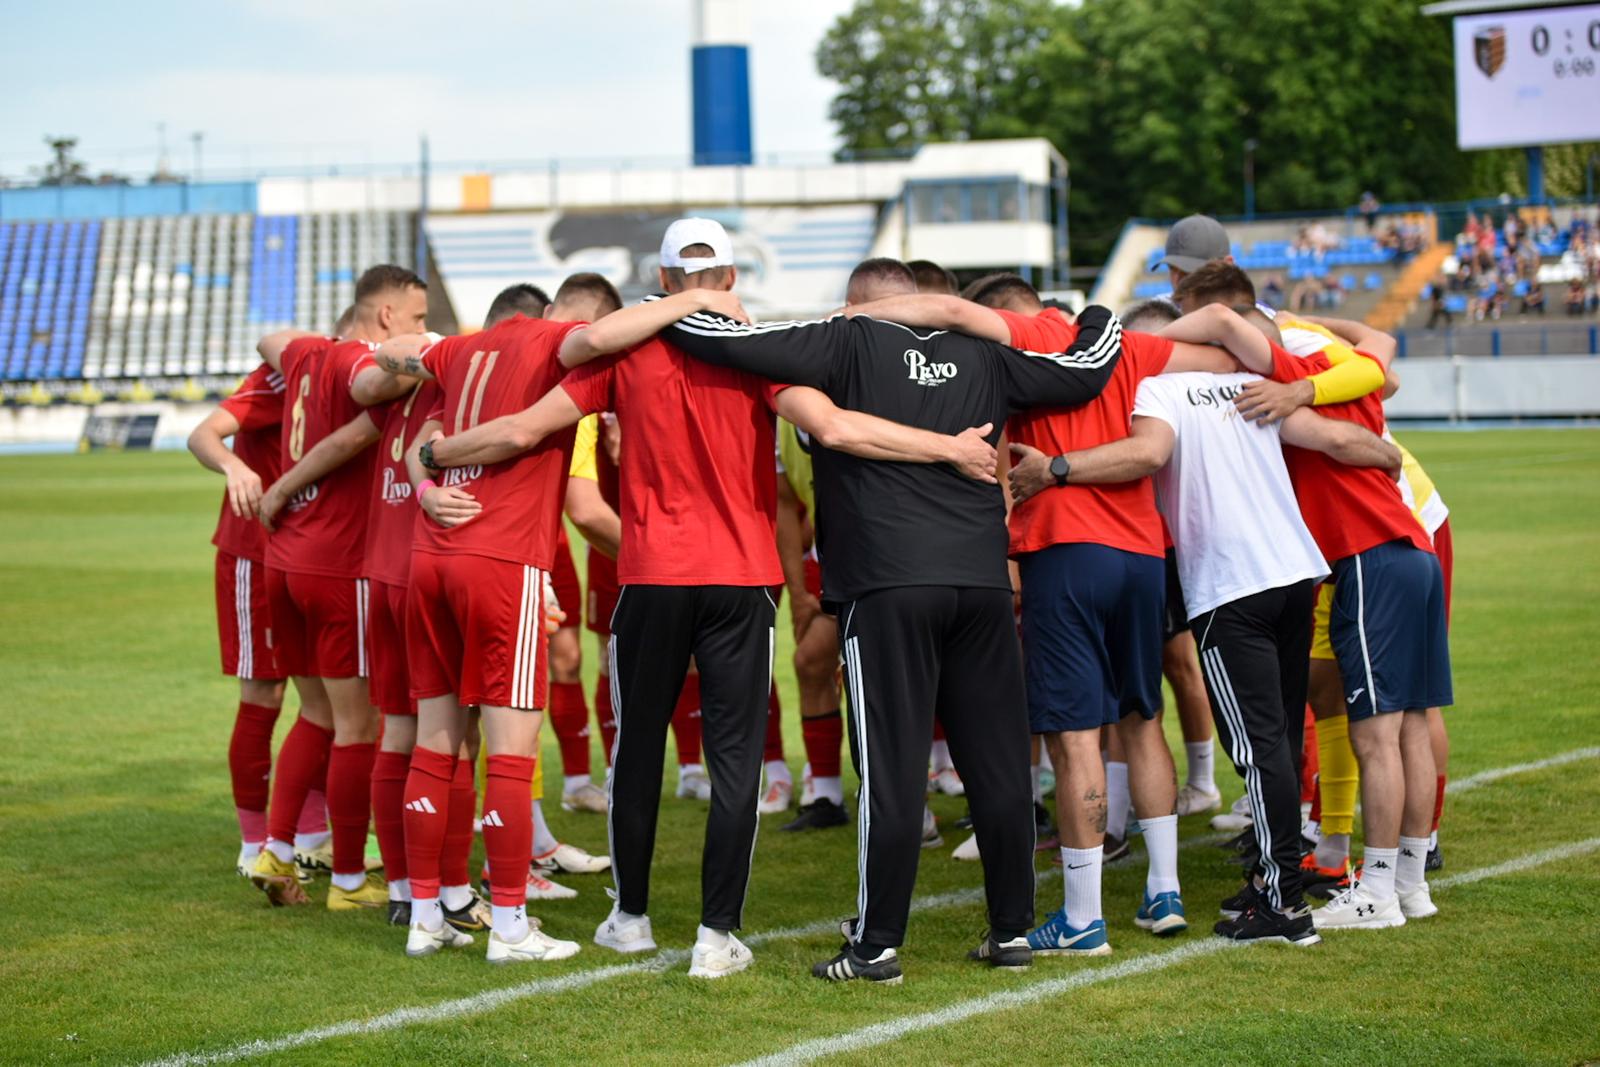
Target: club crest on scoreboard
(1489,49)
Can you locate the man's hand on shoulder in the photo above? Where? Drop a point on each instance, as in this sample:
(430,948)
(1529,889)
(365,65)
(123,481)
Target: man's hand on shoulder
(1270,402)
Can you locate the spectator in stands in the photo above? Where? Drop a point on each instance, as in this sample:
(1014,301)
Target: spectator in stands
(1533,298)
(1331,294)
(1369,209)
(1461,280)
(1437,308)
(1472,228)
(1272,292)
(1575,297)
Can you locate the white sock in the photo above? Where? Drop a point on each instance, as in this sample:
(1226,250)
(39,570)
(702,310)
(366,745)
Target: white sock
(939,755)
(427,913)
(1311,830)
(832,788)
(1377,870)
(510,923)
(455,897)
(310,842)
(1038,786)
(1333,850)
(778,771)
(544,842)
(704,935)
(281,849)
(689,768)
(1080,878)
(249,850)
(349,882)
(1433,841)
(1202,764)
(1117,799)
(574,782)
(1161,841)
(1408,871)
(400,889)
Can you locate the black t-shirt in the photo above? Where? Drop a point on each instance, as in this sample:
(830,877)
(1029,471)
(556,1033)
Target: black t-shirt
(881,524)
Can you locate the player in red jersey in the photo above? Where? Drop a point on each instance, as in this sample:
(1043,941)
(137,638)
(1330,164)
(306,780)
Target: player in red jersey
(244,621)
(319,599)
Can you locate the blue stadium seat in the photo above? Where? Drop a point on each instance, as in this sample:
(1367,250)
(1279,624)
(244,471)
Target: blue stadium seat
(1456,304)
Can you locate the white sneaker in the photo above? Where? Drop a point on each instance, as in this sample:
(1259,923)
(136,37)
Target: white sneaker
(719,961)
(1358,909)
(587,797)
(570,859)
(776,798)
(420,942)
(694,785)
(542,888)
(930,829)
(948,782)
(535,947)
(625,934)
(967,851)
(1417,902)
(1235,818)
(1193,801)
(245,862)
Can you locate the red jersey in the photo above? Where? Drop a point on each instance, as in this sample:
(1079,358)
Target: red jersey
(258,405)
(699,492)
(1120,516)
(323,530)
(393,519)
(500,371)
(1347,509)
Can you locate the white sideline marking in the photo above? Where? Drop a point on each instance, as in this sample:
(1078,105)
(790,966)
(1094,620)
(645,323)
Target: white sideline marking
(1461,785)
(494,998)
(893,1029)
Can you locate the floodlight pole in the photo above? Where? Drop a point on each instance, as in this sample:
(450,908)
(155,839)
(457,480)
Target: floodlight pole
(1250,147)
(420,260)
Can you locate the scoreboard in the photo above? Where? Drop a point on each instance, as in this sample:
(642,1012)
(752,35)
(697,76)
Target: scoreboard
(1529,77)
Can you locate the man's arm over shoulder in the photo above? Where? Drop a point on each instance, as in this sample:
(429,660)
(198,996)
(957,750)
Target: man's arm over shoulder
(799,353)
(1064,379)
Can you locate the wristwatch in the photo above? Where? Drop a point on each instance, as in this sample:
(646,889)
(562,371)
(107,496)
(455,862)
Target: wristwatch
(425,456)
(1059,469)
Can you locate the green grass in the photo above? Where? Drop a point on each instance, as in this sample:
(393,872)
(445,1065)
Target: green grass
(127,936)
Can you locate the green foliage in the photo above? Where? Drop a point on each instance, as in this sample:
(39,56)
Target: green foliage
(1153,101)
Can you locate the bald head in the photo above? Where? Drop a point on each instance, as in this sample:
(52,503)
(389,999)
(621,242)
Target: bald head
(877,278)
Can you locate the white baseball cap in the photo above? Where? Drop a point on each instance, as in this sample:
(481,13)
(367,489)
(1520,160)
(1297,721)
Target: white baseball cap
(686,232)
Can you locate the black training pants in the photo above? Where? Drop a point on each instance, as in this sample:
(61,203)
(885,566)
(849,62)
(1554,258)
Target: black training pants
(1255,653)
(909,653)
(728,631)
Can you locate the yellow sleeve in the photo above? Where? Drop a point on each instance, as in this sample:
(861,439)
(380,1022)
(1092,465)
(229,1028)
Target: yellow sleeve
(1351,377)
(583,449)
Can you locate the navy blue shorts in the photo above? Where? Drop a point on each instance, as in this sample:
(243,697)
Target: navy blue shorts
(1387,628)
(1092,620)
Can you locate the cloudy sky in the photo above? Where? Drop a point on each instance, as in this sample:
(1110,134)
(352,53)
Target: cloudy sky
(291,83)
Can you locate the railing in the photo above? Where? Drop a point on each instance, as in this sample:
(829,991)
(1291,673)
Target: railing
(1557,338)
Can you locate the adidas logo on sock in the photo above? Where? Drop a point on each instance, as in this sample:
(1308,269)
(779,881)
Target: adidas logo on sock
(492,818)
(424,805)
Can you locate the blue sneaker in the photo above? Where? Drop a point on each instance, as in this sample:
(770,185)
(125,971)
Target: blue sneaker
(1056,938)
(1162,914)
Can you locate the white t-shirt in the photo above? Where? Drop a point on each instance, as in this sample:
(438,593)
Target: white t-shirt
(1225,493)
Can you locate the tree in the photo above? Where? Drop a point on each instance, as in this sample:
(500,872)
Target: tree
(65,168)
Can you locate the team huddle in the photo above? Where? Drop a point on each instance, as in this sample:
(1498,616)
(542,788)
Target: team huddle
(998,526)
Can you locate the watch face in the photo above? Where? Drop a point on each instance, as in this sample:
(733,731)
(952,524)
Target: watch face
(1058,466)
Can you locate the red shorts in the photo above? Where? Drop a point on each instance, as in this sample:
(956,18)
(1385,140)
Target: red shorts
(603,593)
(1444,547)
(244,619)
(564,577)
(475,628)
(813,576)
(319,624)
(389,684)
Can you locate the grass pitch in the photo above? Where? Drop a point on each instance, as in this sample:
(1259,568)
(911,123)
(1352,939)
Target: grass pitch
(126,936)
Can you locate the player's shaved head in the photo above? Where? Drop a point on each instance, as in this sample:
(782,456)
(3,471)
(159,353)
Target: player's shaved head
(1218,282)
(676,279)
(879,277)
(390,300)
(384,278)
(1261,321)
(1006,292)
(347,319)
(584,297)
(522,299)
(932,278)
(1150,316)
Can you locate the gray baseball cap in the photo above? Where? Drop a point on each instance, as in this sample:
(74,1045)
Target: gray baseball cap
(1195,241)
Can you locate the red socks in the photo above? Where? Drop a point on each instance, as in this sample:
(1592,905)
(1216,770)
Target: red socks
(569,718)
(774,746)
(686,721)
(389,772)
(822,737)
(1438,803)
(457,850)
(250,756)
(427,806)
(603,712)
(508,828)
(302,766)
(314,812)
(350,804)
